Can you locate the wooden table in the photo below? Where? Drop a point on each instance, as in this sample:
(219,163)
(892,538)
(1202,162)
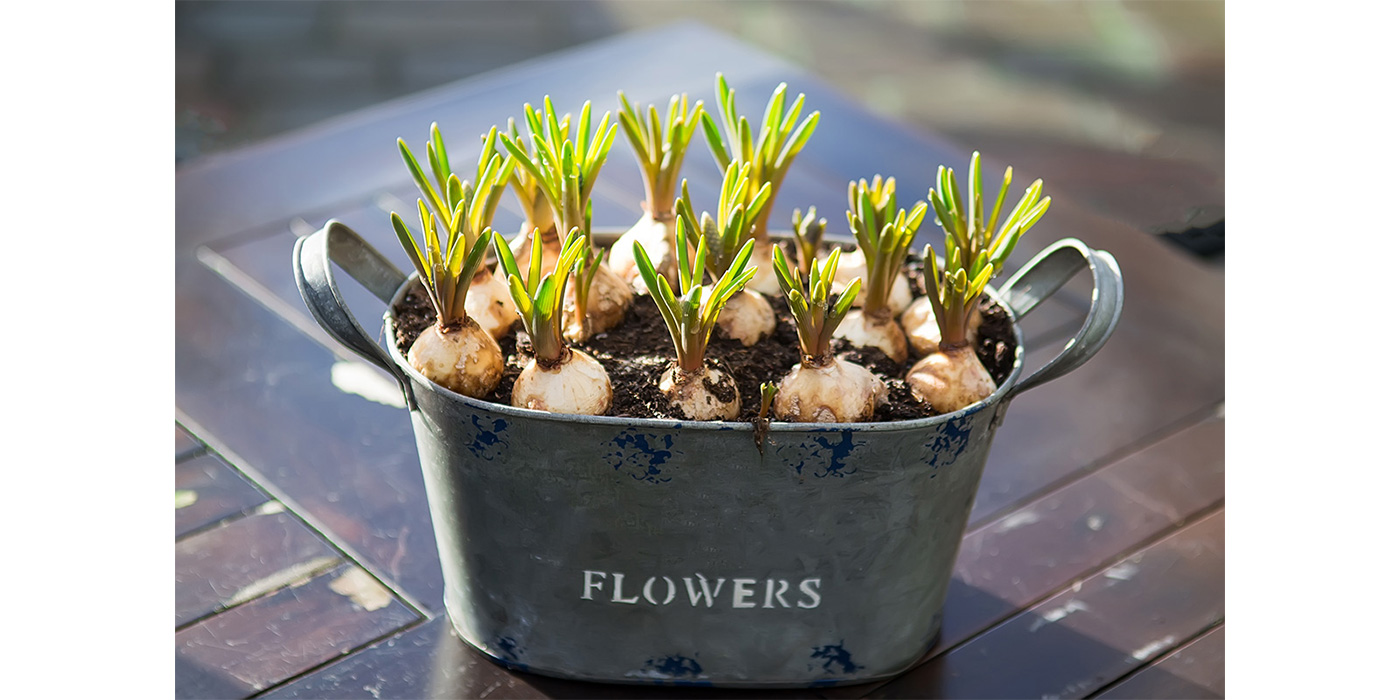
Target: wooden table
(305,562)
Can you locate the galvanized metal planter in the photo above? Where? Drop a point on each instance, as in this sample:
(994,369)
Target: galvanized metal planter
(661,551)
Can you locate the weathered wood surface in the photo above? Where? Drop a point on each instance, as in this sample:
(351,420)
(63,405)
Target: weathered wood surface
(245,559)
(259,644)
(208,490)
(1085,638)
(1086,470)
(425,661)
(1196,670)
(347,460)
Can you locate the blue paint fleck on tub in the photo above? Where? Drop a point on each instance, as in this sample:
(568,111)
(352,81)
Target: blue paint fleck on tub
(642,455)
(835,658)
(951,442)
(827,457)
(674,666)
(486,442)
(508,647)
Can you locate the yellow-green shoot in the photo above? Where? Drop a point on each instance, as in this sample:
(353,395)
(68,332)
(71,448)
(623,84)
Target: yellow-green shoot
(690,312)
(814,308)
(953,292)
(780,138)
(884,236)
(446,263)
(660,146)
(446,193)
(565,172)
(766,392)
(533,202)
(807,233)
(967,228)
(737,211)
(878,197)
(539,296)
(565,166)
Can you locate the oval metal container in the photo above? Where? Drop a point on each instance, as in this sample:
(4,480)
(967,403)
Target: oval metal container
(660,551)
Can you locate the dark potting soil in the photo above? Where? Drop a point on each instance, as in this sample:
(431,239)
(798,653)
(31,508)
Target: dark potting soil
(638,351)
(412,316)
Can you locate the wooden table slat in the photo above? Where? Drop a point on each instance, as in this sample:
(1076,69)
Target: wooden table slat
(1043,546)
(1196,670)
(245,559)
(1099,631)
(424,661)
(255,646)
(342,460)
(1139,387)
(208,490)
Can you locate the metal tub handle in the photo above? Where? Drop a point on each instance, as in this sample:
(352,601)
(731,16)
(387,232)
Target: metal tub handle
(311,262)
(1042,277)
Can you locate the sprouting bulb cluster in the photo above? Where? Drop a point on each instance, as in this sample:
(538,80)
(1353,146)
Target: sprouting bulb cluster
(703,272)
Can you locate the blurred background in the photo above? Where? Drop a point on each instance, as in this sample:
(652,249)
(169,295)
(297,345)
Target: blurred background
(1120,104)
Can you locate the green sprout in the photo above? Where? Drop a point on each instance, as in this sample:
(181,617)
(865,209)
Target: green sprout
(974,248)
(766,391)
(660,146)
(564,168)
(691,312)
(737,211)
(874,200)
(539,297)
(449,263)
(814,309)
(953,292)
(533,202)
(565,174)
(972,234)
(779,140)
(884,237)
(587,270)
(446,192)
(807,233)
